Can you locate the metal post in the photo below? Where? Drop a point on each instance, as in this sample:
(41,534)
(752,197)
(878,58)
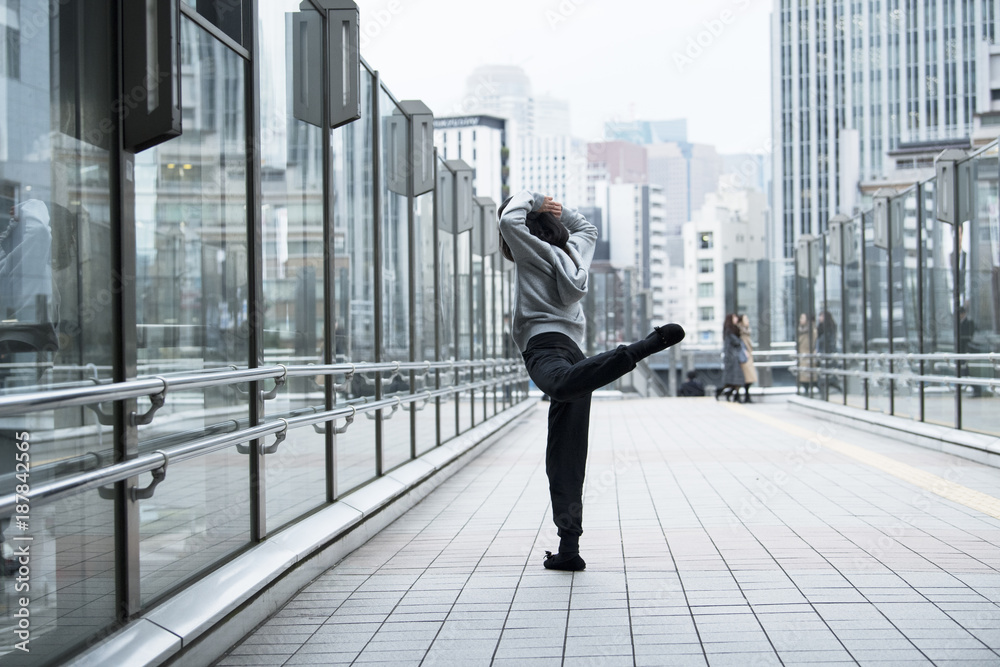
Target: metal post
(255,296)
(920,290)
(329,278)
(128,600)
(377,259)
(437,310)
(411,234)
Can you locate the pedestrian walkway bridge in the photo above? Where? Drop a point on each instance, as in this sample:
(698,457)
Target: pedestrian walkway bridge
(715,534)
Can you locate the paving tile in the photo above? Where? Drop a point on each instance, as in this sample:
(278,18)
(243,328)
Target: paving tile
(686,565)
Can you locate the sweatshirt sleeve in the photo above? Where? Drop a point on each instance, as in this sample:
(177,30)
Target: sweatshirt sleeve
(582,235)
(524,246)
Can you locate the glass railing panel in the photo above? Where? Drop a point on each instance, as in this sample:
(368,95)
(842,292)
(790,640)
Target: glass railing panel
(193,312)
(464,287)
(979,316)
(56,325)
(854,312)
(906,303)
(877,313)
(424,315)
(291,153)
(829,329)
(395,273)
(354,284)
(447,405)
(938,243)
(354,450)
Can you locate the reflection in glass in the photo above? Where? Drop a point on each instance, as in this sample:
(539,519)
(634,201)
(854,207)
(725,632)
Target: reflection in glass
(354,283)
(293,270)
(938,242)
(906,326)
(979,315)
(56,296)
(395,272)
(877,312)
(192,292)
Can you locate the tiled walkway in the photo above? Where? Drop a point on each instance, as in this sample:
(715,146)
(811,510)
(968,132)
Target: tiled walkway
(712,537)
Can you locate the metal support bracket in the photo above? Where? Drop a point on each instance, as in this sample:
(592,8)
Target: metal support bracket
(348,420)
(279,382)
(156,401)
(279,437)
(348,376)
(136,494)
(374,415)
(412,407)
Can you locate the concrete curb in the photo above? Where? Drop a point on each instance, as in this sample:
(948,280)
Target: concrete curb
(977,447)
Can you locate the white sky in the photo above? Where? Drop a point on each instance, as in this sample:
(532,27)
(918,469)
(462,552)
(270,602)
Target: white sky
(612,60)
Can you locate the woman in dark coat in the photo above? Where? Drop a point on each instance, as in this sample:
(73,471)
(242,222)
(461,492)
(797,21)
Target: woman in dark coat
(732,372)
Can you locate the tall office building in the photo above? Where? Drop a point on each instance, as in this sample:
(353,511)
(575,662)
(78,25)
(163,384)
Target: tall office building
(481,141)
(865,94)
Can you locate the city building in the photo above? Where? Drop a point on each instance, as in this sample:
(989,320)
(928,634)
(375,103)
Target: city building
(554,165)
(730,225)
(481,141)
(864,96)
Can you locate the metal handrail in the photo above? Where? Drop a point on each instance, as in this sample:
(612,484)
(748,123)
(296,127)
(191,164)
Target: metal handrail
(37,401)
(159,459)
(908,377)
(905,356)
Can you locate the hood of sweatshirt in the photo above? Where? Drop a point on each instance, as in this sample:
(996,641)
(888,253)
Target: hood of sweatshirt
(571,279)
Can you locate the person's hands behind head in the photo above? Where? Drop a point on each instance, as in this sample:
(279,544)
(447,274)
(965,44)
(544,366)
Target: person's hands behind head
(552,206)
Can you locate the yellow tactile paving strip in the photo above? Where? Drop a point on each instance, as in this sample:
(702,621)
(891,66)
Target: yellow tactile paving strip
(936,484)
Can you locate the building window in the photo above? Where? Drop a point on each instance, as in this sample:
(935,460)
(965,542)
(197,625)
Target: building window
(706,314)
(706,266)
(706,241)
(706,290)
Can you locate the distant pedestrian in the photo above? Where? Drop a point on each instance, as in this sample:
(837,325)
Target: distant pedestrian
(732,357)
(552,248)
(749,370)
(806,338)
(692,387)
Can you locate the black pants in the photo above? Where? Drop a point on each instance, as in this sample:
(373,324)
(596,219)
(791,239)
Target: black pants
(558,367)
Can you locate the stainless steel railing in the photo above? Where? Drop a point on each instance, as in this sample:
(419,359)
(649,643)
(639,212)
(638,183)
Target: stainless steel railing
(157,461)
(884,359)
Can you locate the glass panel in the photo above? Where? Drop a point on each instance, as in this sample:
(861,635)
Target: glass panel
(226,15)
(55,314)
(395,273)
(979,326)
(192,284)
(906,308)
(447,410)
(293,272)
(464,321)
(938,244)
(423,317)
(854,312)
(877,310)
(354,282)
(828,331)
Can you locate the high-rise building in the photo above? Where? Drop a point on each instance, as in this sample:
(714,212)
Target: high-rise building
(553,165)
(730,225)
(505,91)
(481,141)
(865,94)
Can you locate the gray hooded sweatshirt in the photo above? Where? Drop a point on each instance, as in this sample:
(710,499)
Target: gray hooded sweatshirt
(550,284)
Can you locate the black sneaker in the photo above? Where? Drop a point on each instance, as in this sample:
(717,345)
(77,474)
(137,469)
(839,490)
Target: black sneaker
(566,562)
